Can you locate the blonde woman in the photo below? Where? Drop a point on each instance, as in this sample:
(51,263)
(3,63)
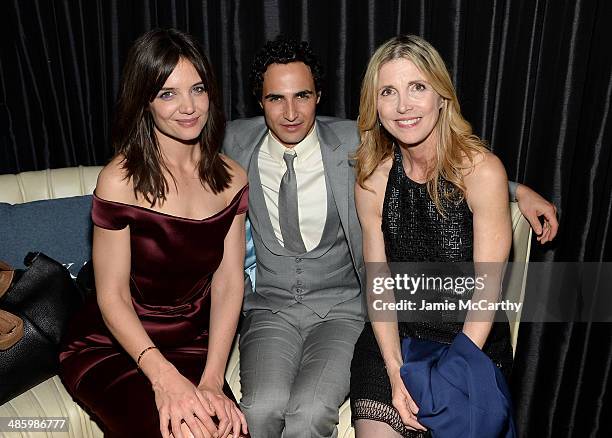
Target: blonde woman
(427,190)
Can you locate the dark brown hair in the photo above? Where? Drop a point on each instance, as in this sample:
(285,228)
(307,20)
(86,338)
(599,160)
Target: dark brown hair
(284,50)
(150,61)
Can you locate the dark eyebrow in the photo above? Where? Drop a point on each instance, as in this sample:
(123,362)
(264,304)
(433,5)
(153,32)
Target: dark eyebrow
(280,96)
(174,88)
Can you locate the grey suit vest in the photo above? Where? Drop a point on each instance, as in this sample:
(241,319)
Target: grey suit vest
(320,279)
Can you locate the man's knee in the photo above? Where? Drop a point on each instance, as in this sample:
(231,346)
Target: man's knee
(265,411)
(311,419)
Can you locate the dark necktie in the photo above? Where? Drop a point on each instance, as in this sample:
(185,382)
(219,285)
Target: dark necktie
(288,208)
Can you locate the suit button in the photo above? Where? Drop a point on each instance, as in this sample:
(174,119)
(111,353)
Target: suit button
(298,259)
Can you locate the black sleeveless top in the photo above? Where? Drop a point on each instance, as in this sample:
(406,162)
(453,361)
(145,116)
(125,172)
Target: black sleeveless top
(414,231)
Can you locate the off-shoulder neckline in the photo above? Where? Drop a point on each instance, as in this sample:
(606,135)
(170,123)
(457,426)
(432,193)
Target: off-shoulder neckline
(172,216)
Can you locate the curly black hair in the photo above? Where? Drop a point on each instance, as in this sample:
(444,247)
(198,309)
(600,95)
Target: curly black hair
(284,50)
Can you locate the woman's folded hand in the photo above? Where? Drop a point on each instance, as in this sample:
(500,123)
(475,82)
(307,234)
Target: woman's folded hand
(231,419)
(403,402)
(179,401)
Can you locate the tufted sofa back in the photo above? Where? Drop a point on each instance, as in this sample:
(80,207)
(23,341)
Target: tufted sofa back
(48,184)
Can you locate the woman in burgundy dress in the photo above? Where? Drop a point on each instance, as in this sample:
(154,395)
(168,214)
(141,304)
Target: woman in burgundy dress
(147,358)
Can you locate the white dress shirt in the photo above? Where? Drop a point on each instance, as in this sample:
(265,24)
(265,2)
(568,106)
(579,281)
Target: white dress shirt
(310,177)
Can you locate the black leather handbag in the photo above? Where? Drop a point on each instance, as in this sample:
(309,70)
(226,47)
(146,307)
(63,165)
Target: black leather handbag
(44,296)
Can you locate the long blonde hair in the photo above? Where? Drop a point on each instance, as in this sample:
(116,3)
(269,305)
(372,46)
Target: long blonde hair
(455,138)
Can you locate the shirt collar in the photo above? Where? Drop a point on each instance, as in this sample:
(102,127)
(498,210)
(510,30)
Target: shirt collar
(303,149)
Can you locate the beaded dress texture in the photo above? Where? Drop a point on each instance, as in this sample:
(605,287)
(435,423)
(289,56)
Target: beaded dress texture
(414,231)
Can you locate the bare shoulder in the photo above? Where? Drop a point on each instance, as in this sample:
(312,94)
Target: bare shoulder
(239,176)
(113,183)
(377,182)
(486,180)
(486,168)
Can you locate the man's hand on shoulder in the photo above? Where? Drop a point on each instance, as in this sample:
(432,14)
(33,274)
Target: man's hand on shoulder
(541,214)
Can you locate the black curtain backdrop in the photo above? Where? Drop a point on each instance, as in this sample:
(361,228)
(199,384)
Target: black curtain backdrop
(534,77)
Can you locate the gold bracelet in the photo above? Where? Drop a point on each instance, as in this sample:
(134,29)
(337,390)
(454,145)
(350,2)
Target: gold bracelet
(152,347)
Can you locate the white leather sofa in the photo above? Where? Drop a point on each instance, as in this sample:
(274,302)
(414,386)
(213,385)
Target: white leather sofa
(50,399)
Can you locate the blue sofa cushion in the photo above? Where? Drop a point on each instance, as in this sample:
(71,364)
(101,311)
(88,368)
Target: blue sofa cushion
(60,228)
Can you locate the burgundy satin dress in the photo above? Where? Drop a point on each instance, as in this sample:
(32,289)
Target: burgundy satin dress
(173,261)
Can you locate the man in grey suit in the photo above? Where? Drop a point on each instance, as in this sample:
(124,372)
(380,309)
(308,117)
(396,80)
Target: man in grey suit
(302,322)
(303,319)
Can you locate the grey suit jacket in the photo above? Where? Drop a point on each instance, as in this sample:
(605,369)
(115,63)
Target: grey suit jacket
(338,139)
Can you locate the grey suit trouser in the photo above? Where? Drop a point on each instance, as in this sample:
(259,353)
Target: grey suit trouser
(295,371)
